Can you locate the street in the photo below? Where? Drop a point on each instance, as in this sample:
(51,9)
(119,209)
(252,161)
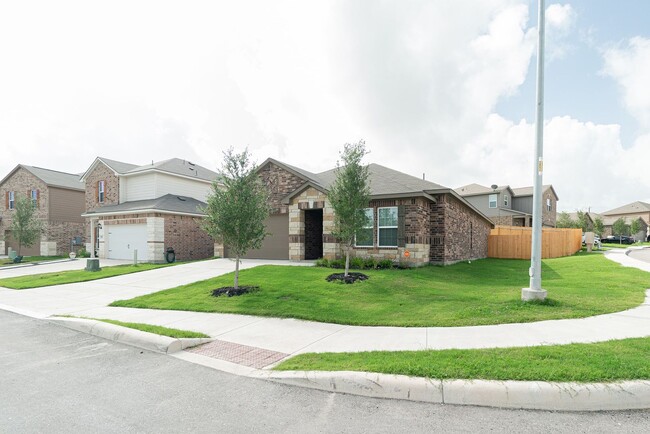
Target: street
(57,380)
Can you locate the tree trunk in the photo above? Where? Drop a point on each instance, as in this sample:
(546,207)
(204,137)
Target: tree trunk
(237,272)
(347,261)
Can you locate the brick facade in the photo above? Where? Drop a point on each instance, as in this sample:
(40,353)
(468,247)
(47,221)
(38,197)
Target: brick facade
(101,172)
(188,239)
(56,236)
(280,183)
(549,217)
(457,232)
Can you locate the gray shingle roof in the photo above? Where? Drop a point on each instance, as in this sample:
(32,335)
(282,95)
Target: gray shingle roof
(54,178)
(634,207)
(476,189)
(528,191)
(169,203)
(118,166)
(178,167)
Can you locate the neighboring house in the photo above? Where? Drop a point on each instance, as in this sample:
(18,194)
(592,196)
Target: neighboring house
(589,217)
(59,201)
(523,201)
(496,203)
(631,211)
(511,206)
(147,208)
(430,222)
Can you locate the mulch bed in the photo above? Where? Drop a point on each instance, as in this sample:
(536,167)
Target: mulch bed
(351,278)
(231,291)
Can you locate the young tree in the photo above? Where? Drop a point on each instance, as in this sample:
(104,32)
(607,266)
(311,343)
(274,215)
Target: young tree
(26,228)
(564,220)
(349,195)
(582,221)
(635,227)
(620,228)
(599,226)
(237,207)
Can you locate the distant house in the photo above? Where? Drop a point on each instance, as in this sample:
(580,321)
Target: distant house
(632,211)
(511,206)
(410,219)
(147,208)
(59,201)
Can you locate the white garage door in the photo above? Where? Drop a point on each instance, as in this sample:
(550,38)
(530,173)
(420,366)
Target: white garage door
(124,239)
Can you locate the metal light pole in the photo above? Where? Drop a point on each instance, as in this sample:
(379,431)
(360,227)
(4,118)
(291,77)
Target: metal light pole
(535,291)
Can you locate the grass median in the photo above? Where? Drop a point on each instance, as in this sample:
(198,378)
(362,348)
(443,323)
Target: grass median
(482,292)
(30,259)
(75,276)
(618,360)
(158,330)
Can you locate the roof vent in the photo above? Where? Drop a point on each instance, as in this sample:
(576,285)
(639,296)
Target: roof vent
(180,198)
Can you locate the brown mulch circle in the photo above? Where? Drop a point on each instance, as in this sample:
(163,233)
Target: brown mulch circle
(351,277)
(231,291)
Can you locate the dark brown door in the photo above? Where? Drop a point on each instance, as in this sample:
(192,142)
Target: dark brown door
(276,245)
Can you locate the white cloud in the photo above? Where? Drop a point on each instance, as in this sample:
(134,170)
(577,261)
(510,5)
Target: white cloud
(630,67)
(560,22)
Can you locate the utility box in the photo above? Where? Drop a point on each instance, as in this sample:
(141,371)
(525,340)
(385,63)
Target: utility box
(589,240)
(92,264)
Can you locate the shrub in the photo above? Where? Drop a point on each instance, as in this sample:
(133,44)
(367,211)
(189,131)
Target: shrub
(369,263)
(356,263)
(322,262)
(337,263)
(385,263)
(82,253)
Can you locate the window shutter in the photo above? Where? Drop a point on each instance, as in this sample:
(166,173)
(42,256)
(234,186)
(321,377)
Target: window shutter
(7,201)
(38,198)
(401,218)
(97,191)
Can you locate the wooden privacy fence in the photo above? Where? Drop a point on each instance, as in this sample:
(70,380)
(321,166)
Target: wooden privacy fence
(514,242)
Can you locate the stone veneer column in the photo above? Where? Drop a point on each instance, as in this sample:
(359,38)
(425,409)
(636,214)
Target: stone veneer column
(219,250)
(48,248)
(330,249)
(2,247)
(296,233)
(102,250)
(156,239)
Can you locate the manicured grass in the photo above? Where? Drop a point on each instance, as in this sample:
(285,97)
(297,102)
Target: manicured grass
(600,362)
(27,259)
(482,292)
(74,276)
(159,330)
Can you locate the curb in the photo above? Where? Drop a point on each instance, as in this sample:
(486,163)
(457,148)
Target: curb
(530,395)
(128,336)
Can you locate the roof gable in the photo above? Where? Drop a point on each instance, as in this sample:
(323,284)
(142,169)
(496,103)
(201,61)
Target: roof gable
(634,207)
(52,178)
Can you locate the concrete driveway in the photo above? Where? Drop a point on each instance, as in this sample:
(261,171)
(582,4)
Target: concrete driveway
(52,267)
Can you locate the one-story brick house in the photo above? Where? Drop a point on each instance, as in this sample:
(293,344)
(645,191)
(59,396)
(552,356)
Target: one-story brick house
(413,220)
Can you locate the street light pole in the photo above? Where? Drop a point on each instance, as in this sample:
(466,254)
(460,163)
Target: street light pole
(535,291)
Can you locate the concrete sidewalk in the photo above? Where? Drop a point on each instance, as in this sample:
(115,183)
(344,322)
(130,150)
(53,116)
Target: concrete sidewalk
(243,344)
(28,268)
(290,336)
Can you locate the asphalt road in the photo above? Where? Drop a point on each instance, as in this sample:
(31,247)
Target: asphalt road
(56,380)
(642,255)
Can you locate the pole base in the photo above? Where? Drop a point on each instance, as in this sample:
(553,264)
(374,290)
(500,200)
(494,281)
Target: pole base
(528,294)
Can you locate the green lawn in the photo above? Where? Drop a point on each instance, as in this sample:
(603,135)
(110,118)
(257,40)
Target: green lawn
(487,291)
(159,330)
(27,259)
(601,362)
(73,276)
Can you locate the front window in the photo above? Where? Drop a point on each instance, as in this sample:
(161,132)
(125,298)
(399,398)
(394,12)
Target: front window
(12,200)
(100,191)
(364,237)
(506,198)
(34,195)
(548,204)
(387,226)
(492,201)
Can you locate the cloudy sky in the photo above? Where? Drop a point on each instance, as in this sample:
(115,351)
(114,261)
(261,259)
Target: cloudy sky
(445,88)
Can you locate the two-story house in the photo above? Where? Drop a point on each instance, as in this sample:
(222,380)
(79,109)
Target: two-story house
(140,211)
(508,206)
(59,201)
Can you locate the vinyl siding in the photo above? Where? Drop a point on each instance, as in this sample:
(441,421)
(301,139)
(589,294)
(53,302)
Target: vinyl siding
(66,205)
(154,185)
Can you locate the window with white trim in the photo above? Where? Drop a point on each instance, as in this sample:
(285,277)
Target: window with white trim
(492,200)
(34,196)
(506,199)
(100,191)
(365,237)
(548,204)
(387,227)
(12,200)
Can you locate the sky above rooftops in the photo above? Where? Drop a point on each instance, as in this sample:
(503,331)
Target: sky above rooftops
(445,89)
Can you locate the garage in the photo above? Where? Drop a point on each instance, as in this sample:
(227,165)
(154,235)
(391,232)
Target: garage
(123,240)
(275,245)
(33,250)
